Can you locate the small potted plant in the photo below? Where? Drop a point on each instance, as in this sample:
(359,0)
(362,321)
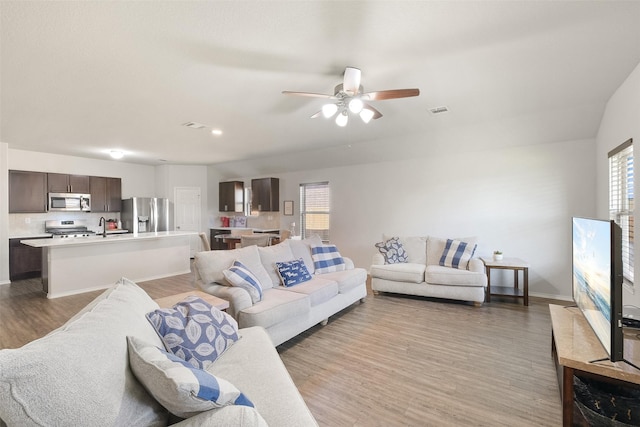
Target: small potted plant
(497,255)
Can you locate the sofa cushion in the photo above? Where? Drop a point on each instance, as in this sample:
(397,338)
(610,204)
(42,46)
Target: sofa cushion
(438,275)
(194,330)
(436,245)
(79,373)
(181,388)
(270,255)
(277,305)
(347,279)
(293,272)
(415,246)
(326,259)
(392,250)
(210,265)
(240,276)
(318,290)
(302,249)
(264,379)
(457,254)
(407,272)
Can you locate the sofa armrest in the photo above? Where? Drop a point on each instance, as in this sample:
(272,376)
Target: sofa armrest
(348,263)
(238,298)
(476,265)
(378,259)
(231,416)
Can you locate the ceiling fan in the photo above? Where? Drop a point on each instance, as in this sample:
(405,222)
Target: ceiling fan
(349,96)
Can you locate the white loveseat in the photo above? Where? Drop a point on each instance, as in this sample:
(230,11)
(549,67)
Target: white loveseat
(79,374)
(423,275)
(283,311)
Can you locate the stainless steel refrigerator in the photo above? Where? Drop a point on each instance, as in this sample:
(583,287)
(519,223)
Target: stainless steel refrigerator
(146,214)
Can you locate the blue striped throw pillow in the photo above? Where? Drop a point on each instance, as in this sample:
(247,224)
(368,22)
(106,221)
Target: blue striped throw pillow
(239,275)
(457,254)
(179,386)
(327,259)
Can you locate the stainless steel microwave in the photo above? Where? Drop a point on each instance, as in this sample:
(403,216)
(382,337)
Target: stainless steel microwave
(69,202)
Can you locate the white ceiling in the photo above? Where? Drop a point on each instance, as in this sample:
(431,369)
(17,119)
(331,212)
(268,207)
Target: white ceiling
(83,78)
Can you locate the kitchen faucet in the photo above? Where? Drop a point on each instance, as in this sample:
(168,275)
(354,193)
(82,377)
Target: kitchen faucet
(103,223)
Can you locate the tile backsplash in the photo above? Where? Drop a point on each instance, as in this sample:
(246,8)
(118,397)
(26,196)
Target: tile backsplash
(23,225)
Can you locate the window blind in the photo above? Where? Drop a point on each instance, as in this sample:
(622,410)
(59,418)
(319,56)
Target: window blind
(314,210)
(621,202)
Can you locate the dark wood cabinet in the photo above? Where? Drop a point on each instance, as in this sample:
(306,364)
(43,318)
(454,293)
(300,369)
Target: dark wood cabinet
(106,194)
(27,191)
(231,196)
(265,195)
(25,262)
(63,183)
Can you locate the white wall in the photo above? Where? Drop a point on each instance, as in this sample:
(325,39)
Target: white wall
(4,214)
(519,200)
(620,121)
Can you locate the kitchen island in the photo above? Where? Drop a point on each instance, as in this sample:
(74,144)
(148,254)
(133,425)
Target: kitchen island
(72,266)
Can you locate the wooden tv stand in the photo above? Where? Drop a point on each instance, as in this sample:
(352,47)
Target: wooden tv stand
(574,347)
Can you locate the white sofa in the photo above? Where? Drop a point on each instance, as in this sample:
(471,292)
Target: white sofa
(283,311)
(423,275)
(79,374)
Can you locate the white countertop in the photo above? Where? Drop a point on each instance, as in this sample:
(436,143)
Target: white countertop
(48,235)
(255,230)
(99,239)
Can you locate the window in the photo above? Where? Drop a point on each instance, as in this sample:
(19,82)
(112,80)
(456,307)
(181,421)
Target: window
(314,210)
(621,202)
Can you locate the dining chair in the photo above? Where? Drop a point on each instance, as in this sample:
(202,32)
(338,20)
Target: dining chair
(255,239)
(205,241)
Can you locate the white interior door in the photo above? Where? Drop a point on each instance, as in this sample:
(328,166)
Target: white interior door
(187,213)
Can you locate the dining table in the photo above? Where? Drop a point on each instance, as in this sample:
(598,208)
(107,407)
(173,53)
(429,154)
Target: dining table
(232,239)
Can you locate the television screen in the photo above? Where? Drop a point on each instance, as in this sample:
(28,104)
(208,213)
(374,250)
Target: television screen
(597,280)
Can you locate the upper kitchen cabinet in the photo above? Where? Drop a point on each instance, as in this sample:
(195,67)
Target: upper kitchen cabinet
(62,183)
(106,194)
(27,191)
(231,196)
(265,195)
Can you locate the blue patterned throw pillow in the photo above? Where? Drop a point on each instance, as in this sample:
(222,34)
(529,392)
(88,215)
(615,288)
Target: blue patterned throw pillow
(293,272)
(392,251)
(457,254)
(327,259)
(178,386)
(195,331)
(240,276)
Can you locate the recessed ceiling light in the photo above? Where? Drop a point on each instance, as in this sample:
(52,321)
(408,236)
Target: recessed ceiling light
(116,154)
(216,132)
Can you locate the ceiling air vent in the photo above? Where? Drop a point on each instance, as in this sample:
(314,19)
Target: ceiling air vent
(194,125)
(438,110)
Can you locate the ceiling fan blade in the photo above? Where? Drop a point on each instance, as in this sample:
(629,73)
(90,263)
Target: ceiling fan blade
(316,115)
(309,94)
(351,82)
(381,95)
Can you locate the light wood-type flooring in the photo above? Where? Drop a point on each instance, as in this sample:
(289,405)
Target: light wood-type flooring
(392,361)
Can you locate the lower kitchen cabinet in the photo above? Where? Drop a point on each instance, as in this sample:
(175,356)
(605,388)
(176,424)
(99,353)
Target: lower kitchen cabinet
(25,262)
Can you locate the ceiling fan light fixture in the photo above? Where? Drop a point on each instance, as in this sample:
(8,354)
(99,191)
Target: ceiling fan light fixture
(328,110)
(356,105)
(366,115)
(342,119)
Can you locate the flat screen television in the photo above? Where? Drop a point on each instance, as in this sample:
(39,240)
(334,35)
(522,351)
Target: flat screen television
(597,280)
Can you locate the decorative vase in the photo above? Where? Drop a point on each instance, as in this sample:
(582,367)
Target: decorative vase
(497,257)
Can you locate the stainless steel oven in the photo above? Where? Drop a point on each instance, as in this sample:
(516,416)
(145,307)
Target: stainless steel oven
(69,202)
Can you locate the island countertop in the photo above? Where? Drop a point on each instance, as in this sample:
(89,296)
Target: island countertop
(99,239)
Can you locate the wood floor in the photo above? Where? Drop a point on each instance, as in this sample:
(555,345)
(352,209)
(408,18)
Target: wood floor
(392,361)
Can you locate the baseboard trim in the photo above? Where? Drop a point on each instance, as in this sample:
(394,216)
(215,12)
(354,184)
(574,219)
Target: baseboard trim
(551,296)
